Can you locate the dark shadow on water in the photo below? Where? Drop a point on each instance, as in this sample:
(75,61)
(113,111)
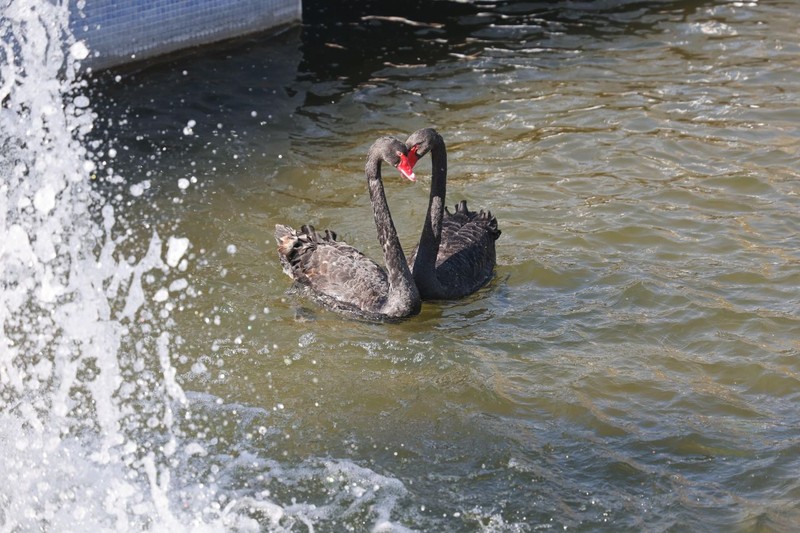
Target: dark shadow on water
(177,109)
(161,115)
(349,43)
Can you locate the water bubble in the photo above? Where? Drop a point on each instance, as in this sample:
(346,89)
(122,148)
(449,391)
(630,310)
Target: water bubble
(176,247)
(45,199)
(231,249)
(79,50)
(178,285)
(161,295)
(188,130)
(183,183)
(306,339)
(194,448)
(81,101)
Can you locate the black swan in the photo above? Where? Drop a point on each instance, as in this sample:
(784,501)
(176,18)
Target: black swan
(340,277)
(456,254)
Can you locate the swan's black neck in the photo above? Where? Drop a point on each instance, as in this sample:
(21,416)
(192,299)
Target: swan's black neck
(403,298)
(428,249)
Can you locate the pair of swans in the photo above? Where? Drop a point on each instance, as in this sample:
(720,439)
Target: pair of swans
(454,258)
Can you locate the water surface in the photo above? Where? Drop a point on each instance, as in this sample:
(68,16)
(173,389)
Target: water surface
(634,363)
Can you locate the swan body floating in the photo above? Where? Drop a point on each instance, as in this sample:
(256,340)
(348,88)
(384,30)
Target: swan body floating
(341,278)
(456,252)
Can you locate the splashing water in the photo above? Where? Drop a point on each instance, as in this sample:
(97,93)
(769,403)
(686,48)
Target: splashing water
(90,407)
(68,306)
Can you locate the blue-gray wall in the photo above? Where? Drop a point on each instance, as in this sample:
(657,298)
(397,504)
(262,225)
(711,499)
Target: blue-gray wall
(120,31)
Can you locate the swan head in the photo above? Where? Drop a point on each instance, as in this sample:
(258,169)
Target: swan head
(420,143)
(393,152)
(396,154)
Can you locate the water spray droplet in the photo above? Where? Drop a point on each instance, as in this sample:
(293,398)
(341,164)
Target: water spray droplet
(79,51)
(45,199)
(176,247)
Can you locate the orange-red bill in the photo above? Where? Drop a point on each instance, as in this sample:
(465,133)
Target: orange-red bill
(405,166)
(412,156)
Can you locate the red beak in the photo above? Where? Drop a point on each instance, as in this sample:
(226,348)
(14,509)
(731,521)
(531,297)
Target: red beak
(412,156)
(406,167)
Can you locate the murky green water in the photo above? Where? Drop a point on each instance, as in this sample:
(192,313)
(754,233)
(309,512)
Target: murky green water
(635,363)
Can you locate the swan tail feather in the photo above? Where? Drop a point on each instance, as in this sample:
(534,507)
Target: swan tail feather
(484,217)
(286,237)
(288,240)
(308,233)
(491,223)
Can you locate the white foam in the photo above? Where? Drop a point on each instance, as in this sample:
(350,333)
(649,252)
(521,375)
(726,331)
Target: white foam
(178,285)
(161,295)
(176,247)
(45,199)
(69,301)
